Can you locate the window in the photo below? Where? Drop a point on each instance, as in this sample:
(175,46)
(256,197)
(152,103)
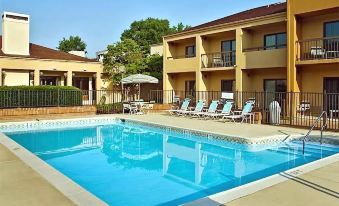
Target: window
(190,88)
(331,84)
(275,85)
(331,29)
(227,85)
(228,52)
(190,51)
(275,41)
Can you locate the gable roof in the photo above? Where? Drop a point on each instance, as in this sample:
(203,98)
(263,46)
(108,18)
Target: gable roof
(248,14)
(41,52)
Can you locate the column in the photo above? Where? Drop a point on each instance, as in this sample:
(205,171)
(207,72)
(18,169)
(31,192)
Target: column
(90,89)
(62,80)
(36,77)
(69,78)
(1,77)
(167,78)
(200,80)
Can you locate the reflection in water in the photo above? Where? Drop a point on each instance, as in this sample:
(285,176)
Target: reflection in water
(147,161)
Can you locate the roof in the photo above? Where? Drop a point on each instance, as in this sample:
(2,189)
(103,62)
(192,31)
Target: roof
(248,14)
(41,52)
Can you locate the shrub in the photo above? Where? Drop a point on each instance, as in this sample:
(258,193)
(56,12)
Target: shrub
(39,96)
(109,108)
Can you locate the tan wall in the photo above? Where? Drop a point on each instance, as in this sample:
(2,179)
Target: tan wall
(53,66)
(212,44)
(304,6)
(313,27)
(312,76)
(266,58)
(179,80)
(157,49)
(84,110)
(214,79)
(16,78)
(257,77)
(257,35)
(15,36)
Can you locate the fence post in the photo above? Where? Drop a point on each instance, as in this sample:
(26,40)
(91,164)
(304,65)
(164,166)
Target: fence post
(291,109)
(58,98)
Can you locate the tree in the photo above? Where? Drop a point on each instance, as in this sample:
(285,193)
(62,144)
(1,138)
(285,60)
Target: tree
(154,64)
(150,31)
(125,54)
(73,43)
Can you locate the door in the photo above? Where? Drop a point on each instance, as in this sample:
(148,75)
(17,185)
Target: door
(190,88)
(228,53)
(275,90)
(227,85)
(331,101)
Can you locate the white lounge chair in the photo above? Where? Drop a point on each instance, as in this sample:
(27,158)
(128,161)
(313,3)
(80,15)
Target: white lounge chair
(244,114)
(226,111)
(184,107)
(211,110)
(198,108)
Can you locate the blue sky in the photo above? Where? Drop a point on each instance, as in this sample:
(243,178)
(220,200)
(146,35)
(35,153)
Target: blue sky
(101,22)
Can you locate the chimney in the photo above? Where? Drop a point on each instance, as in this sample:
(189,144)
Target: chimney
(15,34)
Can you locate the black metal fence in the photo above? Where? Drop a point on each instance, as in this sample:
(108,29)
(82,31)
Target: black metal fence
(320,48)
(294,108)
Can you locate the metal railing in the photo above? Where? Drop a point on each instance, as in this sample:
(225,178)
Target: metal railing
(320,48)
(279,46)
(322,128)
(218,59)
(299,109)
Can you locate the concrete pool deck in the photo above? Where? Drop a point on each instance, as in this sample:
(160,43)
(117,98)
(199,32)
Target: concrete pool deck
(320,186)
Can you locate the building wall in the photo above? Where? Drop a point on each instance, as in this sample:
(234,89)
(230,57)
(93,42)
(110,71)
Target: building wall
(16,78)
(257,34)
(157,49)
(257,77)
(51,66)
(312,76)
(214,79)
(212,44)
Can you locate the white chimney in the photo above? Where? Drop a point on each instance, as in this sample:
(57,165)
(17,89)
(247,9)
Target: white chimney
(15,33)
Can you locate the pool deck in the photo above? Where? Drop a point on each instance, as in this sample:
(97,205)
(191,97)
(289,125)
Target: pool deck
(318,187)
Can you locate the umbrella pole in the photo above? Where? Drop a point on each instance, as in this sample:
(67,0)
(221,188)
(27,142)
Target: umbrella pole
(139,91)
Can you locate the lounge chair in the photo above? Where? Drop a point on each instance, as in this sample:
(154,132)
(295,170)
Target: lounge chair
(244,114)
(198,108)
(211,110)
(184,107)
(226,111)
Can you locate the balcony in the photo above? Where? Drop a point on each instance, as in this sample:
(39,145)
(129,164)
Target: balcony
(219,60)
(183,63)
(320,50)
(266,57)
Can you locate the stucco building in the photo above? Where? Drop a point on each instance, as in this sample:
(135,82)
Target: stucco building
(25,63)
(291,46)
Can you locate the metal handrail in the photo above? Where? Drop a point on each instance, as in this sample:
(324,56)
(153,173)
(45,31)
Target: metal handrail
(323,127)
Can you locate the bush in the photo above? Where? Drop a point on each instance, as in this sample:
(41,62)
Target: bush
(39,96)
(109,108)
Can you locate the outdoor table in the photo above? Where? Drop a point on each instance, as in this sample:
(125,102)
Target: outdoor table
(139,105)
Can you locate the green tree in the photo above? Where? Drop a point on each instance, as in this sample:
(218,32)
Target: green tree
(73,43)
(124,58)
(150,31)
(154,65)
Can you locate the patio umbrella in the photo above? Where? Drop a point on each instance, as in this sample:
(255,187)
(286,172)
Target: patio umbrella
(139,79)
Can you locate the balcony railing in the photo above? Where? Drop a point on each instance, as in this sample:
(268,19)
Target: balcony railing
(219,59)
(279,46)
(181,57)
(320,48)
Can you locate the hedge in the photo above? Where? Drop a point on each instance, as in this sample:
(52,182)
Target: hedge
(39,96)
(109,108)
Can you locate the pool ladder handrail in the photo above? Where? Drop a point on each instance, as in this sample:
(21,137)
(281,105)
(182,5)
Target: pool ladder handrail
(323,127)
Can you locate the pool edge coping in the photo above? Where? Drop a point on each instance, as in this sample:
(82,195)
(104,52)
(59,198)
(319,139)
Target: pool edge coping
(70,189)
(227,196)
(81,196)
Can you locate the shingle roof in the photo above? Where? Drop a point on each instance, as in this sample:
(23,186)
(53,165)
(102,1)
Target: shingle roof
(41,52)
(248,14)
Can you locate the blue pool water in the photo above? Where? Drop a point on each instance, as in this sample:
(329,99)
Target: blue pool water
(126,164)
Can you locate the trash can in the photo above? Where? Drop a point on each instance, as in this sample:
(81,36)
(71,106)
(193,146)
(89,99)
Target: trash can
(275,111)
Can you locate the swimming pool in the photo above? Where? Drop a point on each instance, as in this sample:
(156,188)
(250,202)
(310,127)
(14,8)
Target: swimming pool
(132,164)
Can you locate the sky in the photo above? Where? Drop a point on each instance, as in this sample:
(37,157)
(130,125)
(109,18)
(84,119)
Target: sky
(101,22)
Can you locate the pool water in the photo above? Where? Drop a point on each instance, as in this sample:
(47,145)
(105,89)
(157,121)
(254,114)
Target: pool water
(130,164)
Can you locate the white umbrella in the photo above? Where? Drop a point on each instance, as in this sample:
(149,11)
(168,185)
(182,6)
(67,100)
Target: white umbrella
(139,79)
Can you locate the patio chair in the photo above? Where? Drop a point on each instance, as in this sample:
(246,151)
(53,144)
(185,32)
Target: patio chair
(132,109)
(184,107)
(211,110)
(243,115)
(198,108)
(226,111)
(304,107)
